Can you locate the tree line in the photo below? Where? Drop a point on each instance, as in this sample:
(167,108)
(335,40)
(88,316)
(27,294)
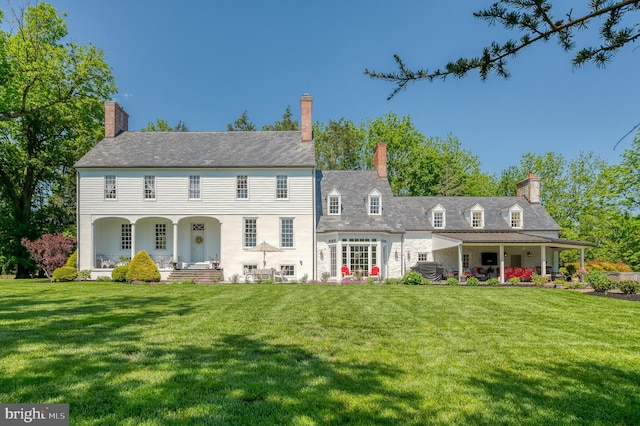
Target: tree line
(51,113)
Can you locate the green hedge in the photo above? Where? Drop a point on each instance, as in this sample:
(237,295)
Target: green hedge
(64,273)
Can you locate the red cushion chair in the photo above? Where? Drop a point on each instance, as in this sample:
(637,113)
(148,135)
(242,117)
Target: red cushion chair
(375,271)
(345,271)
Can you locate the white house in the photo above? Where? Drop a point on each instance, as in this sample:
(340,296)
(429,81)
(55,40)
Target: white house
(207,199)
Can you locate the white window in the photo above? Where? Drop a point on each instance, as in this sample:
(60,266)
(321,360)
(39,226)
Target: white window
(248,267)
(110,188)
(333,203)
(194,187)
(476,217)
(423,257)
(242,187)
(288,270)
(250,232)
(149,187)
(515,216)
(375,203)
(465,261)
(438,217)
(125,236)
(282,187)
(286,232)
(161,236)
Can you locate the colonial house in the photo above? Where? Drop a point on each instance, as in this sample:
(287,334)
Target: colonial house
(209,199)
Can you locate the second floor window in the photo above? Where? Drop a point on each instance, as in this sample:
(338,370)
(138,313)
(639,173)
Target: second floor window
(476,219)
(516,219)
(438,219)
(242,187)
(110,187)
(374,204)
(194,187)
(282,187)
(334,204)
(149,187)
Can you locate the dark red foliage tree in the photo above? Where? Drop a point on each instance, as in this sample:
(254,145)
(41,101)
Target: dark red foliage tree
(50,251)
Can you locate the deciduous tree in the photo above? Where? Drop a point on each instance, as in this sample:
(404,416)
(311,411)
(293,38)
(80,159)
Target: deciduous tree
(51,112)
(50,251)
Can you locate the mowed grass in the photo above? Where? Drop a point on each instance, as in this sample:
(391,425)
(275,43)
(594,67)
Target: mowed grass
(319,354)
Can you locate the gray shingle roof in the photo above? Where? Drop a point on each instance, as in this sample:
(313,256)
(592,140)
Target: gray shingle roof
(415,210)
(354,188)
(201,149)
(401,214)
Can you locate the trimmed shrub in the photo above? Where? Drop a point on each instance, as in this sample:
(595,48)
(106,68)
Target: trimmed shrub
(73,259)
(514,280)
(85,274)
(452,281)
(473,281)
(143,268)
(325,277)
(103,278)
(119,273)
(629,287)
(539,280)
(493,281)
(64,273)
(412,278)
(599,281)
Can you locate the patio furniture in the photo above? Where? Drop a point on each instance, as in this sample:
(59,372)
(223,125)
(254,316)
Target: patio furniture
(345,271)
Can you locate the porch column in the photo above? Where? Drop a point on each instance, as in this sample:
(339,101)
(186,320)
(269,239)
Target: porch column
(460,271)
(582,264)
(175,241)
(501,256)
(543,260)
(133,239)
(93,245)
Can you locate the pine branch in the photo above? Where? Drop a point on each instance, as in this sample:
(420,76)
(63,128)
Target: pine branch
(538,25)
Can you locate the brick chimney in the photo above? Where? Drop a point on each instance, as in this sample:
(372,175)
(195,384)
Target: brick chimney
(306,124)
(380,159)
(530,188)
(116,120)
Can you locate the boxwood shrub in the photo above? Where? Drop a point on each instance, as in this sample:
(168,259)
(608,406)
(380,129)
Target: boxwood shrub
(119,273)
(629,287)
(64,273)
(412,278)
(599,281)
(143,268)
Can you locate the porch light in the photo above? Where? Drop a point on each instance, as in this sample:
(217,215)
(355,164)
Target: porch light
(505,254)
(528,254)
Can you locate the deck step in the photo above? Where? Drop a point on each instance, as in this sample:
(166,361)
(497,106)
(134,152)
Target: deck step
(198,275)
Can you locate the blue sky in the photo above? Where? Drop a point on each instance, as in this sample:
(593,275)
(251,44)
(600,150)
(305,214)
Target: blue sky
(205,62)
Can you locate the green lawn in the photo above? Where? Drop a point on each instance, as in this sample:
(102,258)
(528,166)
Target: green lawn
(319,354)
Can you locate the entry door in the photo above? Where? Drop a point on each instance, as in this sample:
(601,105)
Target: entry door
(516,260)
(197,242)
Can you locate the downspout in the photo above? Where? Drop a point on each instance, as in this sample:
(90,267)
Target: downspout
(313,224)
(78,251)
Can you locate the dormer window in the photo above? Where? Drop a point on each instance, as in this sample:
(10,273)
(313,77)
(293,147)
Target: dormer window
(438,217)
(375,203)
(334,203)
(515,216)
(477,217)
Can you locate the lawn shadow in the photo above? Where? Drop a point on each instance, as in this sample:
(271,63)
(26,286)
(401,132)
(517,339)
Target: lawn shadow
(243,380)
(559,392)
(100,356)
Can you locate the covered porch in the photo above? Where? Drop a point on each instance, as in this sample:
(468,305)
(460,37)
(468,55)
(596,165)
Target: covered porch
(501,255)
(173,243)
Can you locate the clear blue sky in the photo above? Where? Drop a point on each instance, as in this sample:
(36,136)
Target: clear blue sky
(205,62)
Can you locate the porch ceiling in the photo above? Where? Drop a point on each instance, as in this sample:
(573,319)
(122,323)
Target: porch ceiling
(449,239)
